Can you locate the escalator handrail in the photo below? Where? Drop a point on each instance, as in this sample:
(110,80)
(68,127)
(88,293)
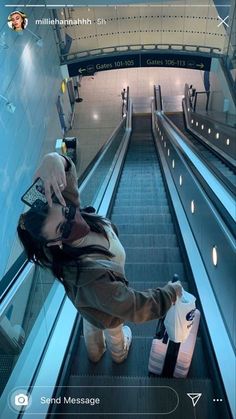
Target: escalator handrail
(227,184)
(158,98)
(186,150)
(216,150)
(215,125)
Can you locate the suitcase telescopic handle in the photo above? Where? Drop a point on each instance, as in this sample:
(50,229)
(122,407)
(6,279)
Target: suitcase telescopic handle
(160,330)
(175,278)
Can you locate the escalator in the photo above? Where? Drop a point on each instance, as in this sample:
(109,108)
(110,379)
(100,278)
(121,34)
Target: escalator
(209,155)
(147,230)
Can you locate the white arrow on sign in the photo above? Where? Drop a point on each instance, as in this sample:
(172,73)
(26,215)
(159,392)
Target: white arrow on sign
(223,21)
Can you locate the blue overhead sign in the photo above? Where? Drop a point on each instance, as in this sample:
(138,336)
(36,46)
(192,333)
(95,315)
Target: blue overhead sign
(154,59)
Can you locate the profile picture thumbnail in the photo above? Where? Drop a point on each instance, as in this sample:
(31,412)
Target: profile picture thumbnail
(17,21)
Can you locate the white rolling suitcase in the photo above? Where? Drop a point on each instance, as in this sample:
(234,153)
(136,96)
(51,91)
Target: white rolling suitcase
(169,358)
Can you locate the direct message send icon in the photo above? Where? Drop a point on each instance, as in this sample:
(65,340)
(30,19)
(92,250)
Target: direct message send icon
(194,397)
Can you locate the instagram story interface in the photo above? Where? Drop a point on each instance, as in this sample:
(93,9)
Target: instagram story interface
(117,268)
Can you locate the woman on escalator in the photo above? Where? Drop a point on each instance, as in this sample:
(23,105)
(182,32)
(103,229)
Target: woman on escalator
(84,253)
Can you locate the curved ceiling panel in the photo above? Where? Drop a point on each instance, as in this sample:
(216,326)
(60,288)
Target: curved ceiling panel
(100,27)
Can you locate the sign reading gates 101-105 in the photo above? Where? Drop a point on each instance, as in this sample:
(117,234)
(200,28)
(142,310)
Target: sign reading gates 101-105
(92,65)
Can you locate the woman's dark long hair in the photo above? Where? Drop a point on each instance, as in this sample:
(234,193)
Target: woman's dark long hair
(53,257)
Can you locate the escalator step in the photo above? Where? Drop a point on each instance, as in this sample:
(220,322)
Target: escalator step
(152,255)
(140,201)
(147,210)
(135,184)
(137,362)
(145,228)
(140,179)
(142,219)
(134,194)
(148,240)
(141,272)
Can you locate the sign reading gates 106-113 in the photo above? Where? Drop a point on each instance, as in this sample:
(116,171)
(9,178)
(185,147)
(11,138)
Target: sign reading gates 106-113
(92,65)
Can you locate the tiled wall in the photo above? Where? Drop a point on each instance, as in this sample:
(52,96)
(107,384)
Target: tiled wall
(30,79)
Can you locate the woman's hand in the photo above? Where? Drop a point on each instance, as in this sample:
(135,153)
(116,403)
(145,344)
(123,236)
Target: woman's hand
(52,173)
(178,288)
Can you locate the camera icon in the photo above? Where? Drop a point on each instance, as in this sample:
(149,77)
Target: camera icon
(21,400)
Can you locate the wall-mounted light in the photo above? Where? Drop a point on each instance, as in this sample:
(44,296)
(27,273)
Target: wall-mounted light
(214,255)
(173,163)
(209,130)
(63,86)
(9,105)
(202,126)
(196,124)
(228,141)
(217,135)
(180,180)
(192,206)
(192,121)
(39,41)
(168,152)
(165,144)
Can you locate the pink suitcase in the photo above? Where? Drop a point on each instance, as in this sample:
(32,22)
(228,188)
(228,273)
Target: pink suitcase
(172,359)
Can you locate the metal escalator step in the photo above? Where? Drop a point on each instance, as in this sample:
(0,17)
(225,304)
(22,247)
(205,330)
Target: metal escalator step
(152,255)
(144,228)
(142,158)
(126,187)
(137,165)
(139,144)
(141,396)
(142,219)
(147,210)
(148,240)
(139,179)
(135,182)
(137,361)
(144,195)
(140,201)
(142,154)
(134,185)
(141,272)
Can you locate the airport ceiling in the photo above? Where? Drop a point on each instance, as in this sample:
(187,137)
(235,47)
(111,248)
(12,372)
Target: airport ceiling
(175,23)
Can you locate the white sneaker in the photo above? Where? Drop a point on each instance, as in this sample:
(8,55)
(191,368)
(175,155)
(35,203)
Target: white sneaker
(128,337)
(121,355)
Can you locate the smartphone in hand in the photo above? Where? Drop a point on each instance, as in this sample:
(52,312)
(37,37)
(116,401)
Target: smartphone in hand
(35,197)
